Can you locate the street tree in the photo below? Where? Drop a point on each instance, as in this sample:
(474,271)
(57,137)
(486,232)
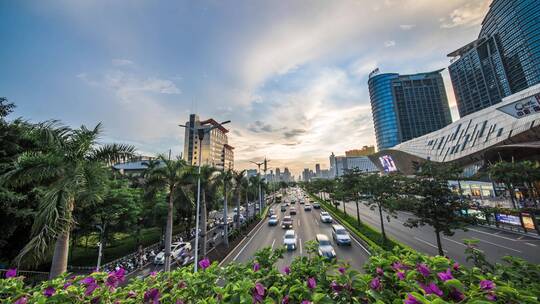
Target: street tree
(238,184)
(170,177)
(507,173)
(433,203)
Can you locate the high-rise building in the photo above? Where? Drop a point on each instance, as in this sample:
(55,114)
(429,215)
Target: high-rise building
(286,177)
(278,174)
(251,172)
(365,151)
(214,148)
(504,60)
(318,170)
(332,159)
(407,106)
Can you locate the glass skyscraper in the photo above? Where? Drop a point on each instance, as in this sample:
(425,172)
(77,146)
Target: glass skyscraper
(504,60)
(407,106)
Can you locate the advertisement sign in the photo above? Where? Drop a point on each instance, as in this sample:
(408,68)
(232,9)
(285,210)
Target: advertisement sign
(527,221)
(388,163)
(508,219)
(523,107)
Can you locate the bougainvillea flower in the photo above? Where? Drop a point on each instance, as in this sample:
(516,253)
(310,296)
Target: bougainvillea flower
(400,275)
(152,296)
(258,293)
(375,284)
(49,291)
(445,276)
(423,269)
(379,271)
(457,295)
(487,285)
(131,294)
(455,266)
(11,273)
(491,296)
(182,284)
(342,270)
(88,280)
(21,300)
(306,302)
(90,288)
(335,286)
(67,285)
(256,267)
(410,299)
(204,263)
(311,283)
(287,270)
(285,300)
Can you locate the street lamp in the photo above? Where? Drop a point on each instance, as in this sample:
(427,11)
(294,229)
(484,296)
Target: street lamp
(100,244)
(200,133)
(260,200)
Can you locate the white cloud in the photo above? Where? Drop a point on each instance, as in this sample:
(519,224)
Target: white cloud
(121,62)
(407,27)
(470,14)
(389,43)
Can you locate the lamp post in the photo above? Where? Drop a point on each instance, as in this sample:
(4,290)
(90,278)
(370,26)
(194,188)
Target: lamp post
(260,199)
(100,244)
(200,134)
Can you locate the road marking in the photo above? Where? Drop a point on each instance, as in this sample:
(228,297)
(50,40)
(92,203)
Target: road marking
(519,238)
(429,244)
(300,246)
(251,239)
(530,244)
(455,242)
(273,242)
(497,232)
(499,245)
(502,237)
(359,244)
(299,223)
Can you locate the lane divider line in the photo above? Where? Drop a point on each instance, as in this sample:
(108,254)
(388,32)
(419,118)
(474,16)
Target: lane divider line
(429,244)
(273,242)
(488,242)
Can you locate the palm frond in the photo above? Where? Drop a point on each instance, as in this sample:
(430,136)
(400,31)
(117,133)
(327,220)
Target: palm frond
(34,168)
(112,153)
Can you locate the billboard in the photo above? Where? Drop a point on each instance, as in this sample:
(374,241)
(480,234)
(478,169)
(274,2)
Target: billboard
(388,163)
(523,107)
(527,221)
(508,219)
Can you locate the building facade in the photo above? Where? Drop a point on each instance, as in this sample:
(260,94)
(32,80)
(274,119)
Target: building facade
(214,150)
(365,151)
(505,59)
(407,106)
(342,164)
(509,130)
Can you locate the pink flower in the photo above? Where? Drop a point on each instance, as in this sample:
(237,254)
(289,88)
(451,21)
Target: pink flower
(258,293)
(487,285)
(335,286)
(432,288)
(67,285)
(491,296)
(311,283)
(423,269)
(287,270)
(306,302)
(445,276)
(21,300)
(379,271)
(90,288)
(204,263)
(398,266)
(49,291)
(342,270)
(152,296)
(285,300)
(256,267)
(375,284)
(11,273)
(410,299)
(88,280)
(182,284)
(400,275)
(131,294)
(455,266)
(153,274)
(457,295)
(179,302)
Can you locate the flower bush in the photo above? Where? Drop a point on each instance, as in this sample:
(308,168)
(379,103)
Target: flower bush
(398,276)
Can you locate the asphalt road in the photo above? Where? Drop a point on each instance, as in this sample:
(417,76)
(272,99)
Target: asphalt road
(307,225)
(494,243)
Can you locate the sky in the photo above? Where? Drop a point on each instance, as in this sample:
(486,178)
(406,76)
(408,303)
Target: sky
(290,75)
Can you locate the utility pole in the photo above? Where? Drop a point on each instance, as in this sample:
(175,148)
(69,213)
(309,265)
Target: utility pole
(260,199)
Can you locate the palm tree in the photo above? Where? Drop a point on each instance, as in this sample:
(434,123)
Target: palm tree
(507,173)
(246,185)
(208,184)
(74,170)
(226,178)
(238,179)
(172,176)
(256,182)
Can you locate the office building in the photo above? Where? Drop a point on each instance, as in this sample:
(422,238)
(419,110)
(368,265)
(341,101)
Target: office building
(509,130)
(505,59)
(251,172)
(407,106)
(214,148)
(342,164)
(317,170)
(365,151)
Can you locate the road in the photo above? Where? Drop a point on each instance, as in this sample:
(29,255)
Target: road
(494,243)
(306,225)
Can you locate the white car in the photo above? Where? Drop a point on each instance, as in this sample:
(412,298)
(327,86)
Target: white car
(289,240)
(177,248)
(307,207)
(340,235)
(273,221)
(325,247)
(325,217)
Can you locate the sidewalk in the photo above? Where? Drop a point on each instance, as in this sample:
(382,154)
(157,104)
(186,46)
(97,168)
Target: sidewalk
(517,231)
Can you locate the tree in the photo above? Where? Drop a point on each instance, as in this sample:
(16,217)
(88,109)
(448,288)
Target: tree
(238,181)
(507,173)
(72,167)
(433,202)
(171,176)
(226,179)
(352,181)
(382,192)
(209,182)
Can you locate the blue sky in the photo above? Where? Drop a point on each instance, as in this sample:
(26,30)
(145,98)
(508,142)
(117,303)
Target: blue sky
(291,75)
